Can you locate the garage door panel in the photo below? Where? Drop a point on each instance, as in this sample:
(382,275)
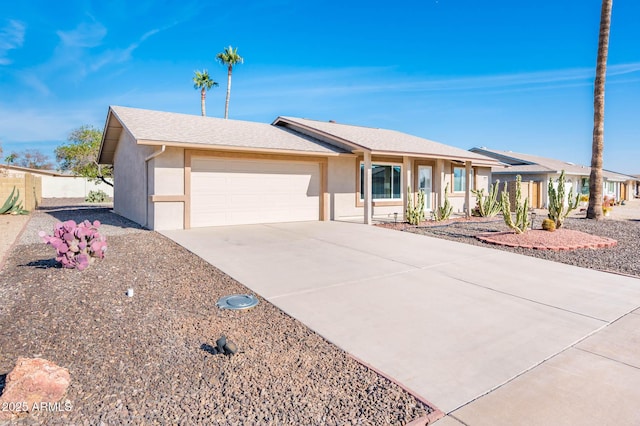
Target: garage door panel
(234,191)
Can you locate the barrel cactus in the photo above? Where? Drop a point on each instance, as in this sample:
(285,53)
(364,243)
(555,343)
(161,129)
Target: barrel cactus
(77,245)
(549,225)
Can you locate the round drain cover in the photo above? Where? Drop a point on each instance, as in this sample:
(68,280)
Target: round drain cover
(237,301)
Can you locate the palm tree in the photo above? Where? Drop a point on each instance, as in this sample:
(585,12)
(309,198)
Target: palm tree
(202,81)
(594,211)
(229,57)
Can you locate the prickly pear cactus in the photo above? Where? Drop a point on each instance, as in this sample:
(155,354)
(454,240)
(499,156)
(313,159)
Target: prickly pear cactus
(77,245)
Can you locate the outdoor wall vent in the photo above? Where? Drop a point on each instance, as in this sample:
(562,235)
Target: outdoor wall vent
(237,301)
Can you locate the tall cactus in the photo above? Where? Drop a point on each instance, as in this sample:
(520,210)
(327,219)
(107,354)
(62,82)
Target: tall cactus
(521,222)
(558,211)
(415,212)
(489,206)
(444,212)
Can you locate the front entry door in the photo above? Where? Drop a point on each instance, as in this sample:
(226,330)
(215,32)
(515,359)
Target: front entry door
(424,184)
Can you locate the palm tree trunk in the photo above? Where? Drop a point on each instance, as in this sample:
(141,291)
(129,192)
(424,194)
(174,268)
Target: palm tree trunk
(226,104)
(203,107)
(594,211)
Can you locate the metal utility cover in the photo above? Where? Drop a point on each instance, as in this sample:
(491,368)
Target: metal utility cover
(237,301)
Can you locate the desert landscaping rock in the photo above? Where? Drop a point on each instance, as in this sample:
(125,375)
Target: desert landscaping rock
(620,258)
(561,239)
(32,383)
(147,359)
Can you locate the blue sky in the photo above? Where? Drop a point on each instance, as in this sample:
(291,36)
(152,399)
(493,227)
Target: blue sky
(505,74)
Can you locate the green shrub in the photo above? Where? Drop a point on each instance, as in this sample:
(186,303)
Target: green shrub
(97,196)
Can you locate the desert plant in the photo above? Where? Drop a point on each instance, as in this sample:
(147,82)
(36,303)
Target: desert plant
(549,225)
(77,245)
(415,212)
(521,222)
(584,198)
(489,206)
(444,212)
(96,196)
(12,205)
(558,210)
(607,205)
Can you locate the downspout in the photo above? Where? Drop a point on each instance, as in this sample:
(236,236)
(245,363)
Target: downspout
(146,181)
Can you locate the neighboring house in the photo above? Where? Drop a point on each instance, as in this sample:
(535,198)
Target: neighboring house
(59,185)
(175,171)
(637,185)
(539,170)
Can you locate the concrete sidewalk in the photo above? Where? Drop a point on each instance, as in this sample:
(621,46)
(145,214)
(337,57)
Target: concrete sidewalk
(488,336)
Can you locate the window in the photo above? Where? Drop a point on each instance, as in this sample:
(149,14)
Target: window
(459,177)
(584,186)
(611,187)
(385,182)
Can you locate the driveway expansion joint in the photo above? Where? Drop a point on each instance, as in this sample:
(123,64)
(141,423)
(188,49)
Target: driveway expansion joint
(527,299)
(609,358)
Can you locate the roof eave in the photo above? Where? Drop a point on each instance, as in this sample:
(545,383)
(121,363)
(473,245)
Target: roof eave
(477,161)
(203,147)
(110,137)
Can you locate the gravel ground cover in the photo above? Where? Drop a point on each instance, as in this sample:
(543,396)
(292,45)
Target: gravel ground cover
(622,258)
(147,359)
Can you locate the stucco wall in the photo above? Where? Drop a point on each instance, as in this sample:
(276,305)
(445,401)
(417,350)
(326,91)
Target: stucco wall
(342,188)
(71,187)
(130,191)
(167,178)
(482,178)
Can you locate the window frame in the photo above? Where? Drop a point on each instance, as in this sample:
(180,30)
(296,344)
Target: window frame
(464,177)
(360,178)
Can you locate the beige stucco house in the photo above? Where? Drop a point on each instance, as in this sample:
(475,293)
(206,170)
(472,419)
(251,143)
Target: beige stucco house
(177,171)
(540,170)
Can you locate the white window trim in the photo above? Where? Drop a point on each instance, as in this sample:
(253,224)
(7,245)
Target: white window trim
(378,163)
(464,175)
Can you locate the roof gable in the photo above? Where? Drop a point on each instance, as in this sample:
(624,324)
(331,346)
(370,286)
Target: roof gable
(173,129)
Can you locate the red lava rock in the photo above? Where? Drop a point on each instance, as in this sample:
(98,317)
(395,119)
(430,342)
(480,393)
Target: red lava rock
(560,240)
(33,381)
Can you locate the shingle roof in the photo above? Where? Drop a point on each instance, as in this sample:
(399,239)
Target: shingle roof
(183,129)
(383,140)
(533,163)
(527,163)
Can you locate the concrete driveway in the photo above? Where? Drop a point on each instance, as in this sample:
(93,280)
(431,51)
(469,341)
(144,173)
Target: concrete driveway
(484,335)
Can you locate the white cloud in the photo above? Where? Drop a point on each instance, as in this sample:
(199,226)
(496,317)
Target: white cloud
(30,79)
(84,35)
(349,81)
(11,37)
(117,56)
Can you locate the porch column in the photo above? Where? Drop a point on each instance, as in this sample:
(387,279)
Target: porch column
(467,189)
(367,188)
(406,184)
(440,182)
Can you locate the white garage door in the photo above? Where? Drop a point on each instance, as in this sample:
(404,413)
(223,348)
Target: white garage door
(237,191)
